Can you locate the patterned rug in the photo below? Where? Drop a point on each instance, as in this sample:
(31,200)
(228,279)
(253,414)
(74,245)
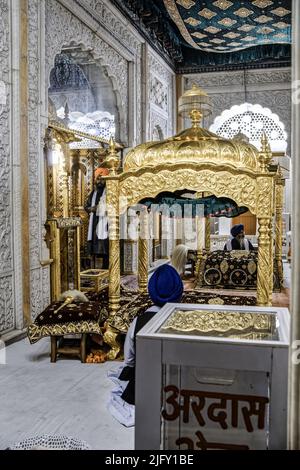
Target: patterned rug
(89,317)
(141,302)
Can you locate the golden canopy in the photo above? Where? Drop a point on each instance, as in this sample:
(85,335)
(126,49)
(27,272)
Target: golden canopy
(194,145)
(195,160)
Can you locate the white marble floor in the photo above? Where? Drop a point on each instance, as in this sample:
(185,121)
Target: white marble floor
(67,397)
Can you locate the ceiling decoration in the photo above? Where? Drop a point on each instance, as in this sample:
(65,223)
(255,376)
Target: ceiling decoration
(223,26)
(213,35)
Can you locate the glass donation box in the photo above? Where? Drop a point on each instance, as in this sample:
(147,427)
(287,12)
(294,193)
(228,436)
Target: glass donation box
(212,377)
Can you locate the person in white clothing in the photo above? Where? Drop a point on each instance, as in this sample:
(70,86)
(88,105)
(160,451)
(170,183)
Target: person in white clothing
(165,285)
(238,240)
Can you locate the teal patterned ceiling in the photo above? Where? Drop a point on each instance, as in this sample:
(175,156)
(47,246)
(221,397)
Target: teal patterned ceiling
(222,26)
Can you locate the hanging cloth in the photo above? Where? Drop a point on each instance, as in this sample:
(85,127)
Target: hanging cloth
(102,226)
(90,230)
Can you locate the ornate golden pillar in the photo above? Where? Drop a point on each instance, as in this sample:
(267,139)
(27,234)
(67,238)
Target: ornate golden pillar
(64,175)
(264,271)
(271,263)
(113,213)
(279,189)
(143,252)
(112,201)
(265,213)
(207,234)
(200,240)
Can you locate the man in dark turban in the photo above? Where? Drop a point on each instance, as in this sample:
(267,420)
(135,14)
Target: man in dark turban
(238,240)
(165,285)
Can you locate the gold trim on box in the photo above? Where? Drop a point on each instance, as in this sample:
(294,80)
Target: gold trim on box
(94,273)
(93,280)
(221,323)
(36,332)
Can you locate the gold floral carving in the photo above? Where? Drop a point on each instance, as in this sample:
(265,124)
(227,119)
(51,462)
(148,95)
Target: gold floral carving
(36,332)
(279,189)
(271,262)
(110,337)
(264,268)
(112,188)
(241,188)
(265,196)
(194,145)
(143,253)
(219,323)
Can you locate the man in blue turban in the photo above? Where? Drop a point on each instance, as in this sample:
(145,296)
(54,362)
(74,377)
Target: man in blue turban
(238,240)
(165,285)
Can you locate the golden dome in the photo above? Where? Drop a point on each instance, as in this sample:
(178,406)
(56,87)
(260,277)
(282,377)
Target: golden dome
(194,145)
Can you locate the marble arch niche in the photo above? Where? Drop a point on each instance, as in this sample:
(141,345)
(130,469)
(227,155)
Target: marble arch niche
(82,83)
(81,100)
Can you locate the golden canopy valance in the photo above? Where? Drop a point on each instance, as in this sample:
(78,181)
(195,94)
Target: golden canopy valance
(194,145)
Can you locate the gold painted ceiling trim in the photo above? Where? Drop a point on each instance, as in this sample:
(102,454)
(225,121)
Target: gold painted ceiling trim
(174,13)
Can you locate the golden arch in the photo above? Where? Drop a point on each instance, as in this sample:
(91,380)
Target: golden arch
(234,185)
(253,190)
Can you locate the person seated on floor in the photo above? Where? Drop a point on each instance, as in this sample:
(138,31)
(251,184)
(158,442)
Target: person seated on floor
(179,258)
(165,285)
(238,240)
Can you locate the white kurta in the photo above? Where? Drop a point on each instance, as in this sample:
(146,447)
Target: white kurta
(90,229)
(120,409)
(229,244)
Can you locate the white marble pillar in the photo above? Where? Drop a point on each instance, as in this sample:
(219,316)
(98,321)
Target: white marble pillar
(294,378)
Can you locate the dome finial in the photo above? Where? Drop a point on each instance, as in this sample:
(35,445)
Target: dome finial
(265,155)
(195,104)
(112,160)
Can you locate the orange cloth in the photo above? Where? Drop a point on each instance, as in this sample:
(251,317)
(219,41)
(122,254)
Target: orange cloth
(101,172)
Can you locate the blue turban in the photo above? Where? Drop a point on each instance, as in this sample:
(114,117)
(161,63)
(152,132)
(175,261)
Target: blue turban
(236,229)
(165,285)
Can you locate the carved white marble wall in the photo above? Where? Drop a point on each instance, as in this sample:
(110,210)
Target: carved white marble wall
(271,88)
(161,98)
(99,27)
(7,269)
(134,70)
(37,118)
(144,85)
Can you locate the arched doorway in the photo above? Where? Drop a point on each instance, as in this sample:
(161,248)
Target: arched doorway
(252,120)
(248,122)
